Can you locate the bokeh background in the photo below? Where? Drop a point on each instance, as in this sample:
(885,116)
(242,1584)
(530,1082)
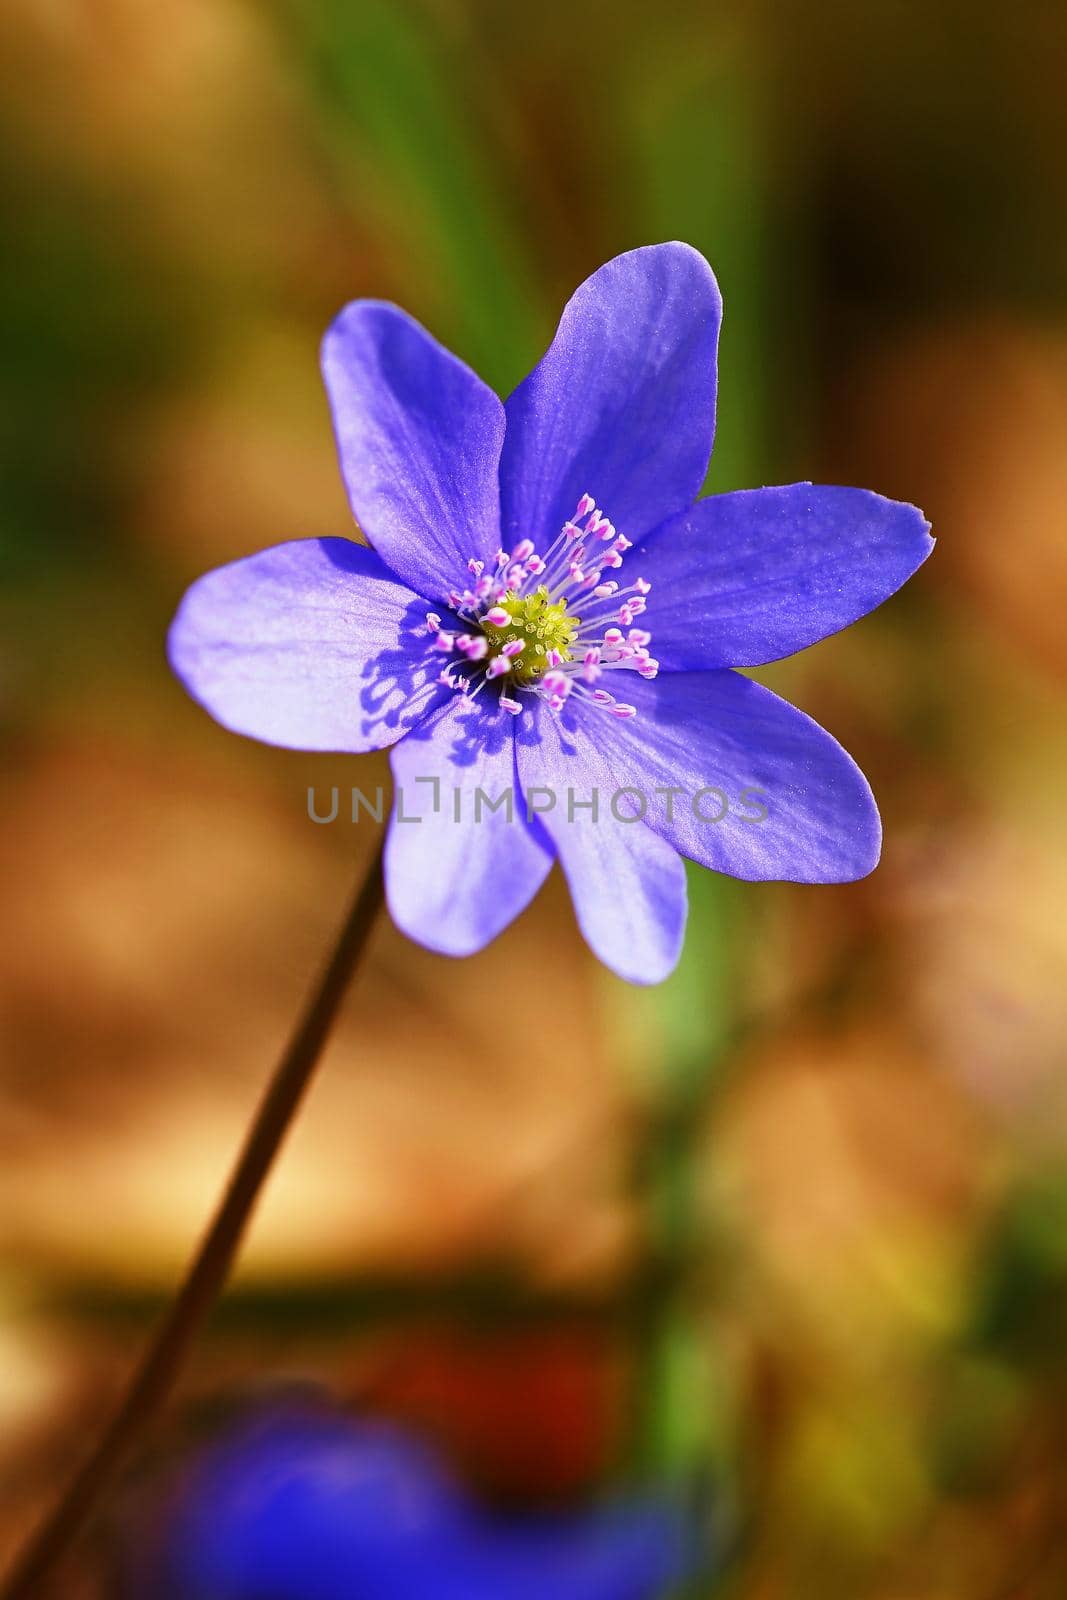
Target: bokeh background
(793,1226)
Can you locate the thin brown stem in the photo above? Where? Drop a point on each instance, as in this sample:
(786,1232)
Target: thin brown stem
(210,1267)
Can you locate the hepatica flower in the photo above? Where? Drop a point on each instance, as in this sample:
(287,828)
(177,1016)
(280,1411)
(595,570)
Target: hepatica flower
(312,1506)
(546,624)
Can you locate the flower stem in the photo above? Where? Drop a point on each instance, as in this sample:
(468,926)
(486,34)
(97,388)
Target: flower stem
(210,1267)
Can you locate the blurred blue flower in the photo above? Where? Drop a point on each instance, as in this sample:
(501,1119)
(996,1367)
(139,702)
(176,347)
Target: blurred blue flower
(299,1505)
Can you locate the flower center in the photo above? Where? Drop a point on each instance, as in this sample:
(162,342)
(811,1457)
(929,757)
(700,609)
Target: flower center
(521,634)
(541,624)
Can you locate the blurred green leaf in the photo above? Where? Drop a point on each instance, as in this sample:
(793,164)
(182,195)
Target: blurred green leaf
(696,121)
(1021,1297)
(90,323)
(399,103)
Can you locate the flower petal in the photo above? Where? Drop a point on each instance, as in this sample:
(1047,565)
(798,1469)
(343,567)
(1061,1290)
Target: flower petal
(419,436)
(745,578)
(628,885)
(622,406)
(453,885)
(313,645)
(796,805)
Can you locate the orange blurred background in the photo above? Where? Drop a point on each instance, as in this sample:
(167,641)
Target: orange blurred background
(843,1124)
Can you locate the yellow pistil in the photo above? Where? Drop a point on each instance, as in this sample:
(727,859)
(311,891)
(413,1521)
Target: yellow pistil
(542,624)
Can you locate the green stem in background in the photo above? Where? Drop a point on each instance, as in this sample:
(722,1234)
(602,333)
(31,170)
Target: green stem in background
(403,116)
(699,132)
(678,1426)
(166,1356)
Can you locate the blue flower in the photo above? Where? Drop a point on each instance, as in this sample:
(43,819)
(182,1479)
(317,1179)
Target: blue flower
(305,1505)
(547,617)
